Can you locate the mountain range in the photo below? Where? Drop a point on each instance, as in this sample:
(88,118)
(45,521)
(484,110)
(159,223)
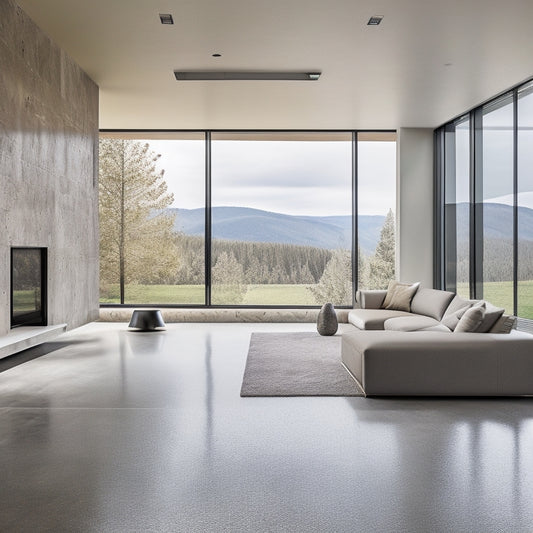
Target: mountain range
(497,221)
(255,225)
(329,232)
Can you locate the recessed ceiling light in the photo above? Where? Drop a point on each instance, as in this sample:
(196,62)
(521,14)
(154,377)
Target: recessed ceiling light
(166,18)
(375,20)
(212,75)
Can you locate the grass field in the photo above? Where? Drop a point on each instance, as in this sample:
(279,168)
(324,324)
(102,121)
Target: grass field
(497,293)
(195,294)
(501,295)
(24,301)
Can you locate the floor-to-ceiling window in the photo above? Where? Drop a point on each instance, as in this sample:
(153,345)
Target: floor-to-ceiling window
(490,170)
(496,185)
(281,218)
(245,218)
(456,227)
(525,202)
(152,218)
(376,207)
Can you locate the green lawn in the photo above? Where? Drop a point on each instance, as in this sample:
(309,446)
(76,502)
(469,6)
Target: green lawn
(498,293)
(501,295)
(194,294)
(279,295)
(26,300)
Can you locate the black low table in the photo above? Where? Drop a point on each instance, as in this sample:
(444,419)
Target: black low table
(146,319)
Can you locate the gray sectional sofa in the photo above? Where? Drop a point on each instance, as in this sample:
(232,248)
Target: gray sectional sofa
(419,350)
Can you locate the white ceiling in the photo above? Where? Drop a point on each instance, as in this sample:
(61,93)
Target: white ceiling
(427,62)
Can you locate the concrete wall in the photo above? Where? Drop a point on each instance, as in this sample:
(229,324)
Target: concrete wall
(48,167)
(415,206)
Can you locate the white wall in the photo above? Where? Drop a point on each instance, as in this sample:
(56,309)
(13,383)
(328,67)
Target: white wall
(414,254)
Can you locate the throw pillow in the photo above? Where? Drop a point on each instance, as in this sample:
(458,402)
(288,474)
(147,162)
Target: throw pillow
(402,296)
(492,315)
(390,291)
(504,324)
(471,320)
(452,319)
(393,284)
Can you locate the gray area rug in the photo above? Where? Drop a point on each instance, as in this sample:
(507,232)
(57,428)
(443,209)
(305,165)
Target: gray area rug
(296,364)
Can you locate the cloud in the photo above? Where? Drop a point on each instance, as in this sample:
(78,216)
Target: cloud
(303,178)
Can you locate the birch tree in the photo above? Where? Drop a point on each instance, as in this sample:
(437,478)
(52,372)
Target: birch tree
(136,233)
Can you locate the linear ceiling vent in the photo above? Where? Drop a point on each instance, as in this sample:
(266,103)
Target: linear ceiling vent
(210,75)
(375,20)
(166,18)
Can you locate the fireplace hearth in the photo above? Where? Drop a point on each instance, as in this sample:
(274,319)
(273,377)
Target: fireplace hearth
(28,286)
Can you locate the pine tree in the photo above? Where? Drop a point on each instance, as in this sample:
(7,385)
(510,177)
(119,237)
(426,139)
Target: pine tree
(227,280)
(136,235)
(335,285)
(362,269)
(381,267)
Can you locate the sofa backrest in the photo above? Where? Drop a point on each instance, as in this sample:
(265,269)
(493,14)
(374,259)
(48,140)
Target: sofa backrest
(431,302)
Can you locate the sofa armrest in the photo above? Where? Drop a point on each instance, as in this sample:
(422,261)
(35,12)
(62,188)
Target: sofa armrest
(370,299)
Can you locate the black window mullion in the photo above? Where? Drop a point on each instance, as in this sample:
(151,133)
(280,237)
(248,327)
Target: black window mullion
(476,204)
(207,240)
(439,218)
(450,209)
(355,227)
(515,202)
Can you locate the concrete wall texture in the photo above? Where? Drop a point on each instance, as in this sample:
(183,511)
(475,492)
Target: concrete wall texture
(48,167)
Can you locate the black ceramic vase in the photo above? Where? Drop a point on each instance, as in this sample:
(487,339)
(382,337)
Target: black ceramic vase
(327,323)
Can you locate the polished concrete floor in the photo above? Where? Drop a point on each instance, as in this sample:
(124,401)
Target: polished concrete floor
(107,430)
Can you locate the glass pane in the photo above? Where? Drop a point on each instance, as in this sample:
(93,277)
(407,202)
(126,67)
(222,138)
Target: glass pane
(152,218)
(457,208)
(281,219)
(498,204)
(27,279)
(462,201)
(525,203)
(376,180)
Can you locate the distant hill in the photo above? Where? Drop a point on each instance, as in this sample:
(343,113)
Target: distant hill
(498,222)
(247,224)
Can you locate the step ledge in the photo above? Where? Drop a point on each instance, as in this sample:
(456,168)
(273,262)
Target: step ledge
(170,315)
(25,337)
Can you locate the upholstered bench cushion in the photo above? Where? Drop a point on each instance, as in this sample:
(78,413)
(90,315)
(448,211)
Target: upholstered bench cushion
(373,318)
(409,323)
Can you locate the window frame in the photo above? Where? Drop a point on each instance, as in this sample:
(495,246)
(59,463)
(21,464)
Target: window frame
(475,116)
(208,207)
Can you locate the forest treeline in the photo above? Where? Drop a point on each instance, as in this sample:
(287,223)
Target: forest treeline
(497,260)
(262,262)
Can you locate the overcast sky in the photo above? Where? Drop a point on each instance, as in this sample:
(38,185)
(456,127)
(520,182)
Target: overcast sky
(295,177)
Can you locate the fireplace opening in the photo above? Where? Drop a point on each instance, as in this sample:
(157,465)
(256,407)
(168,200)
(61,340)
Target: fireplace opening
(28,287)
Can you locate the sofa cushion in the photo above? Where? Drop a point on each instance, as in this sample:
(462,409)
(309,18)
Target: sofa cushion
(451,320)
(401,298)
(439,327)
(409,323)
(492,314)
(372,318)
(393,285)
(504,324)
(471,320)
(456,304)
(431,302)
(370,299)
